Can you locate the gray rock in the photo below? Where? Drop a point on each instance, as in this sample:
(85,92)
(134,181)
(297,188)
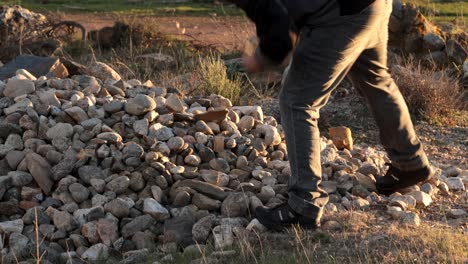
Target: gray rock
(205,203)
(20,178)
(455,184)
(111,137)
(202,229)
(63,221)
(235,205)
(60,130)
(19,244)
(103,71)
(140,223)
(98,252)
(87,173)
(16,87)
(119,185)
(40,170)
(78,114)
(78,192)
(457,213)
(422,198)
(207,189)
(8,227)
(160,132)
(117,207)
(179,230)
(155,209)
(223,236)
(140,105)
(411,219)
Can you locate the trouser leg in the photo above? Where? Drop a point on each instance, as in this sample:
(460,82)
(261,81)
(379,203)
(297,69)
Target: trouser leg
(371,76)
(323,57)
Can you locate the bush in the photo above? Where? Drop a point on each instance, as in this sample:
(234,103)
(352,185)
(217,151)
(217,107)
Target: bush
(431,93)
(212,74)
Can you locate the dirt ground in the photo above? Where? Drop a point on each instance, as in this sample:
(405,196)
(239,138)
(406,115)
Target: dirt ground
(224,33)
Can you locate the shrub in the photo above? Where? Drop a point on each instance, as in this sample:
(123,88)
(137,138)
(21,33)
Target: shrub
(433,94)
(212,75)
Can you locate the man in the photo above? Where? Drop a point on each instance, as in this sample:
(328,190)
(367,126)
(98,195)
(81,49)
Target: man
(337,38)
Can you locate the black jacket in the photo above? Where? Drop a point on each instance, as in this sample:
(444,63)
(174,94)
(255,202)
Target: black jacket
(276,18)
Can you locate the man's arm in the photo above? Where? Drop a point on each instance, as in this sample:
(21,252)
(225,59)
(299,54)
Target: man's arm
(273,27)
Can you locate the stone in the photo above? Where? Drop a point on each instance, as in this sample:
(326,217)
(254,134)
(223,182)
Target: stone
(20,178)
(205,203)
(108,231)
(366,181)
(103,71)
(422,198)
(36,65)
(457,213)
(110,137)
(78,114)
(119,185)
(246,123)
(15,226)
(179,230)
(223,236)
(63,221)
(207,189)
(17,87)
(341,137)
(89,172)
(212,116)
(160,132)
(40,170)
(182,199)
(235,205)
(174,103)
(117,207)
(411,219)
(139,223)
(136,256)
(202,229)
(220,165)
(19,244)
(155,209)
(95,253)
(455,184)
(139,105)
(433,42)
(78,192)
(256,226)
(60,130)
(141,127)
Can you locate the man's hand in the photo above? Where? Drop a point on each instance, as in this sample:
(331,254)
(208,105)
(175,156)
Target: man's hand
(252,63)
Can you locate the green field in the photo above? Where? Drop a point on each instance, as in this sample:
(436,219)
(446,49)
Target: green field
(438,10)
(126,7)
(443,10)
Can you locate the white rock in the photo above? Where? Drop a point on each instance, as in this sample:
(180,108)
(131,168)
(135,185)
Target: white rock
(422,198)
(155,209)
(223,236)
(9,227)
(455,184)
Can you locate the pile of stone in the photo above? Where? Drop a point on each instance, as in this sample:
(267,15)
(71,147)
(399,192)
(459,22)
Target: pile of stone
(94,167)
(20,25)
(412,33)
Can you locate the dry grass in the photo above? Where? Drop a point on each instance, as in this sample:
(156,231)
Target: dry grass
(213,78)
(431,93)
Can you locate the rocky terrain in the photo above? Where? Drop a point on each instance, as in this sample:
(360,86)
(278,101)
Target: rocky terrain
(94,167)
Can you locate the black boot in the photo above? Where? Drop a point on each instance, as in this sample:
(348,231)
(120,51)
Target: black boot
(396,179)
(282,217)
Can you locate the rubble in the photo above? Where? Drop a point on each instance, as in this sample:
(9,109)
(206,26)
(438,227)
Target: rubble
(120,166)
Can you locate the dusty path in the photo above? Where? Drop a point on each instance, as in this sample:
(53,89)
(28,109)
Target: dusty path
(226,33)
